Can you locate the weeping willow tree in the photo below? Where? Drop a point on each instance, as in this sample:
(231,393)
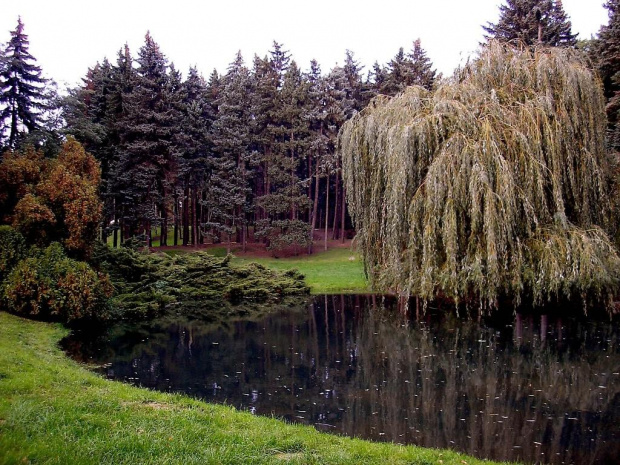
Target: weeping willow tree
(496,185)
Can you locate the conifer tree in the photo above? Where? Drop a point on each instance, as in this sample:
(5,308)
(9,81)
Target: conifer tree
(228,194)
(194,148)
(397,75)
(286,202)
(414,68)
(422,71)
(522,20)
(605,53)
(377,77)
(147,162)
(22,89)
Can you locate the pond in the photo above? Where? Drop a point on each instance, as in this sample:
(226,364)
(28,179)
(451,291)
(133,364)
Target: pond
(524,388)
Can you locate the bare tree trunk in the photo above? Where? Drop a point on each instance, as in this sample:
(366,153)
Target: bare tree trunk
(336,204)
(149,234)
(186,215)
(163,237)
(175,211)
(194,219)
(326,211)
(201,212)
(342,213)
(244,232)
(315,207)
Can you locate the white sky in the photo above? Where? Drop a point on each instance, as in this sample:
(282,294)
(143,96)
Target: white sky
(68,36)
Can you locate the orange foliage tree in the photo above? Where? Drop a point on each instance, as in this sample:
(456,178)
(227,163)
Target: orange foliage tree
(52,199)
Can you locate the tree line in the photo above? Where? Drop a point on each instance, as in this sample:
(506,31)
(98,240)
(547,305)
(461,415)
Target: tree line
(248,155)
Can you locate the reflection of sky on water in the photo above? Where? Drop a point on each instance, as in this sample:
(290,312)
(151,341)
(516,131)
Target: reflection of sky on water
(532,388)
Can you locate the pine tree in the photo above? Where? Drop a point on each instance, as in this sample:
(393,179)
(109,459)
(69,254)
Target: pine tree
(22,89)
(354,85)
(122,83)
(147,164)
(228,194)
(422,72)
(523,20)
(286,202)
(605,53)
(396,79)
(376,78)
(405,70)
(86,110)
(194,148)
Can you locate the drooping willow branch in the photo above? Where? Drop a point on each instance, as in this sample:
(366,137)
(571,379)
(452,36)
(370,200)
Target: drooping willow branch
(497,184)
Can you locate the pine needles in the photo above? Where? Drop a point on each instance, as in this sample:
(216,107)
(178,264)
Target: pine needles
(495,185)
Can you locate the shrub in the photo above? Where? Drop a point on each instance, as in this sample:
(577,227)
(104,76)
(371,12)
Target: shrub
(52,286)
(12,250)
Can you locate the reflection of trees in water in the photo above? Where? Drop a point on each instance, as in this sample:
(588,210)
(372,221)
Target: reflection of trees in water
(457,384)
(353,365)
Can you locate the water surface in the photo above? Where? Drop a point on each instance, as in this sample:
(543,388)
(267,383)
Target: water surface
(527,388)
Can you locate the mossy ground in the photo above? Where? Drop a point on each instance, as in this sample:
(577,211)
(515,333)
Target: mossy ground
(52,410)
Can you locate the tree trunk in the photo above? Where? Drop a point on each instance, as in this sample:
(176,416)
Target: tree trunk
(186,216)
(176,218)
(149,234)
(315,207)
(336,204)
(163,236)
(326,211)
(194,219)
(293,209)
(342,213)
(309,218)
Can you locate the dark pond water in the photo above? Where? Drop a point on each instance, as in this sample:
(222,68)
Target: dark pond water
(528,388)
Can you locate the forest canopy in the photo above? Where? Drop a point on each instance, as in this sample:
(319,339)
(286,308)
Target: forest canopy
(495,185)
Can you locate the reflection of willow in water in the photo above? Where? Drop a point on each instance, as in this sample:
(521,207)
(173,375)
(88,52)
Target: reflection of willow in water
(457,384)
(350,364)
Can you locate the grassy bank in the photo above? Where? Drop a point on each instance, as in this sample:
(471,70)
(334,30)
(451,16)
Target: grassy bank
(335,271)
(54,411)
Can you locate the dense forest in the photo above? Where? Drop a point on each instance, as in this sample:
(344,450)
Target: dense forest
(247,155)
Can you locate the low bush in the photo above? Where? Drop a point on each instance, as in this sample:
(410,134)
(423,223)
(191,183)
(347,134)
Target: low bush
(51,286)
(12,250)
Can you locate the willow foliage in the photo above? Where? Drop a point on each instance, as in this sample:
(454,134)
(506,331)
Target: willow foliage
(494,185)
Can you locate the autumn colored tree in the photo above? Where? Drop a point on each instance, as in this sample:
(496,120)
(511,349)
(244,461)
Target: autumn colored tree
(53,200)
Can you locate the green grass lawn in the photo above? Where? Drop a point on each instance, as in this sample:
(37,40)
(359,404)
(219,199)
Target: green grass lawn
(335,271)
(54,411)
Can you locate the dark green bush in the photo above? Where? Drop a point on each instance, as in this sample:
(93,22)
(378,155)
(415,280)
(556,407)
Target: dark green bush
(12,250)
(148,283)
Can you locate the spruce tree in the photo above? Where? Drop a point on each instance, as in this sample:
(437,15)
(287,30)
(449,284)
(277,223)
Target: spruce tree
(396,79)
(414,68)
(228,195)
(605,53)
(521,20)
(193,143)
(422,72)
(376,78)
(286,203)
(22,89)
(147,164)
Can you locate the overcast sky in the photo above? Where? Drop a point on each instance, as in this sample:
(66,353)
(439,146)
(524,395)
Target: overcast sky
(68,36)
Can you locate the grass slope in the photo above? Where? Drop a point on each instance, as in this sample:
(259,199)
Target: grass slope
(336,271)
(54,411)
